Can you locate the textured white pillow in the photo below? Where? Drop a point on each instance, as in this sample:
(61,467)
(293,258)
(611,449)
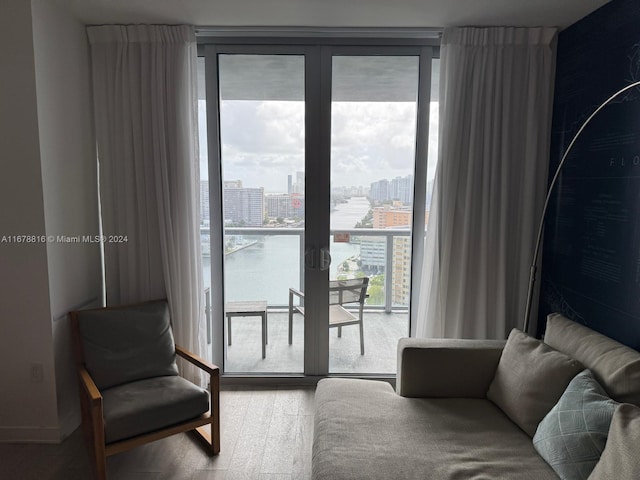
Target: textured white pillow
(530,379)
(572,436)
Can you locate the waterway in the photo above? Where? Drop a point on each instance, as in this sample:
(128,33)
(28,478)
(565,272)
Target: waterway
(267,269)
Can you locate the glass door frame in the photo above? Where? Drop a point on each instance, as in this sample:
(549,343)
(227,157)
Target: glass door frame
(211,54)
(425,55)
(318,53)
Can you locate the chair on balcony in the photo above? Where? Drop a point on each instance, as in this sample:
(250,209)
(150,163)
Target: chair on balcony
(130,391)
(341,292)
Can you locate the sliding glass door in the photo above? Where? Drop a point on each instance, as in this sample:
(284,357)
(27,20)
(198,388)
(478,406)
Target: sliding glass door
(374,100)
(314,153)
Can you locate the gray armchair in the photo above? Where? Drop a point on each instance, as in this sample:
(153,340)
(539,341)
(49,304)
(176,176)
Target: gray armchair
(130,390)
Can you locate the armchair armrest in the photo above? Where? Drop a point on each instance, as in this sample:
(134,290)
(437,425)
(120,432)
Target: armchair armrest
(446,367)
(89,388)
(201,363)
(212,438)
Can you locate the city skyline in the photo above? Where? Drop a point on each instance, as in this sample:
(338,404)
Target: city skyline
(253,206)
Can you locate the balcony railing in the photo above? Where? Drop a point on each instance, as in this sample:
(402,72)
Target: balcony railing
(387,234)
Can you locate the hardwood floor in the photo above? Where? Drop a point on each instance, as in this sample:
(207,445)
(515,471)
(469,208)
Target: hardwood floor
(266,434)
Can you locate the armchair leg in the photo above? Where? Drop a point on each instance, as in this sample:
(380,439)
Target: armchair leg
(212,440)
(100,462)
(361,340)
(93,426)
(339,332)
(98,448)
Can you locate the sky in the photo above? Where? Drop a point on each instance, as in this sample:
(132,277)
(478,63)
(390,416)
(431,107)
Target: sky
(263,141)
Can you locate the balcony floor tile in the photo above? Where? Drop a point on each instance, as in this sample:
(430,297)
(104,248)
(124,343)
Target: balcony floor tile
(381,334)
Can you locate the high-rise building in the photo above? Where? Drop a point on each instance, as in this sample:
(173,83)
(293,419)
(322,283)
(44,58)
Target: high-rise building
(373,252)
(289,184)
(399,189)
(401,280)
(392,216)
(284,206)
(298,185)
(243,206)
(204,202)
(379,191)
(402,189)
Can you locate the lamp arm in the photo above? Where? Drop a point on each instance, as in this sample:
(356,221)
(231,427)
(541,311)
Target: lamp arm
(554,180)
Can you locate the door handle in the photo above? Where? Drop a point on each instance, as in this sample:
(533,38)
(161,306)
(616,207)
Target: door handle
(310,258)
(325,259)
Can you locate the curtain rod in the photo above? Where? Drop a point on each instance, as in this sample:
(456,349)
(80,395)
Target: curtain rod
(320,32)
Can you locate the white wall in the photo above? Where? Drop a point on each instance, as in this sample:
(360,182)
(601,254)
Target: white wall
(27,409)
(47,187)
(68,162)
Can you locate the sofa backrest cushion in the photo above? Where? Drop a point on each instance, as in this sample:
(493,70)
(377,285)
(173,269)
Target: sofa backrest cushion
(530,379)
(125,344)
(620,459)
(615,366)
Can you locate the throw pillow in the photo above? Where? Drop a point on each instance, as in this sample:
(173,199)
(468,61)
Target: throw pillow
(572,436)
(530,379)
(615,366)
(621,457)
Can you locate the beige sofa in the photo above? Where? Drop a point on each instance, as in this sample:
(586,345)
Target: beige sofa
(439,423)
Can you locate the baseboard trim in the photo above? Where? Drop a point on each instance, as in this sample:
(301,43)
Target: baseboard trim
(30,435)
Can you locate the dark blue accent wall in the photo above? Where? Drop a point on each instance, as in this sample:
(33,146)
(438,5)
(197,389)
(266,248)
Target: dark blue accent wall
(591,254)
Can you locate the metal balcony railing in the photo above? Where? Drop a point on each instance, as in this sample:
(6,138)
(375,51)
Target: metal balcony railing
(388,235)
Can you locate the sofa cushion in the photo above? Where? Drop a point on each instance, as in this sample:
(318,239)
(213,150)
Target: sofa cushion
(530,379)
(150,404)
(364,430)
(621,457)
(125,344)
(572,436)
(615,366)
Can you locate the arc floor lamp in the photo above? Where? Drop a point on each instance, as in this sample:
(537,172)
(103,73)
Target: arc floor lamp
(556,175)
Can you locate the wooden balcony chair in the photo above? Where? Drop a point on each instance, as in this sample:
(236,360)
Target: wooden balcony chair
(341,292)
(130,390)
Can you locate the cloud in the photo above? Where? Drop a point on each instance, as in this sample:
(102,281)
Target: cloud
(263,142)
(263,127)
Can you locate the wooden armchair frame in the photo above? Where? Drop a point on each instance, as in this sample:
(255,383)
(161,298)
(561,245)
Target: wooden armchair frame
(93,419)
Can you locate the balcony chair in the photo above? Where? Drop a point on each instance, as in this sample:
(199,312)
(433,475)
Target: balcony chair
(130,390)
(341,292)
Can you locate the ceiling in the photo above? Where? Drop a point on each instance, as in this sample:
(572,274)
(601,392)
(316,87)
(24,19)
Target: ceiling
(334,13)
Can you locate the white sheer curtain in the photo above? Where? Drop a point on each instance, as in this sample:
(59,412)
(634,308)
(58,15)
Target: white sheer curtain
(144,86)
(496,95)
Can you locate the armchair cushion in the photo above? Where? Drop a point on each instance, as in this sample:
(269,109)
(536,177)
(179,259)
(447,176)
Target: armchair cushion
(126,344)
(147,405)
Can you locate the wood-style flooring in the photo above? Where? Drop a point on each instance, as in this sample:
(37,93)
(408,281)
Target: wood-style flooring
(266,434)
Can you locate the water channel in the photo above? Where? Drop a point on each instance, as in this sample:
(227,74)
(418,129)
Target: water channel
(267,269)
